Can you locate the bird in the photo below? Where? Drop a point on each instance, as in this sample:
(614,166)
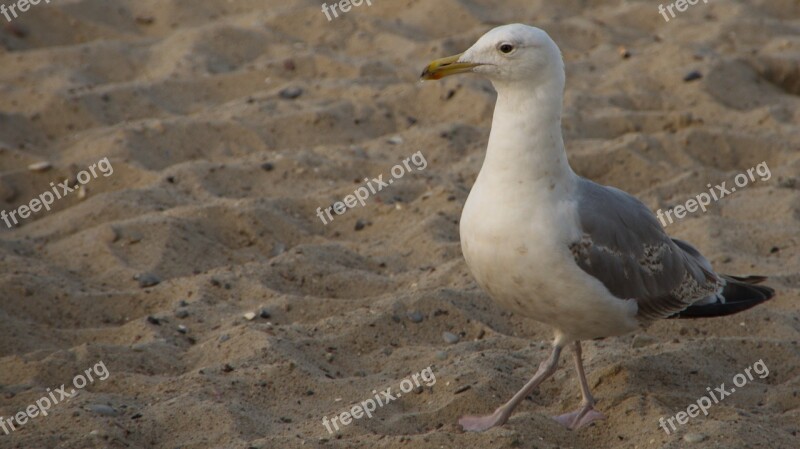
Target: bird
(592,261)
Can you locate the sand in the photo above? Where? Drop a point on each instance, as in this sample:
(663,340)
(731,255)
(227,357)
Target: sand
(228,123)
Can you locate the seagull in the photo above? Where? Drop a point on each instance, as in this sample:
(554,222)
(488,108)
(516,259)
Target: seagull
(590,260)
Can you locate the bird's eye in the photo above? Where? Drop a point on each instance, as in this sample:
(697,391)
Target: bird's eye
(506,48)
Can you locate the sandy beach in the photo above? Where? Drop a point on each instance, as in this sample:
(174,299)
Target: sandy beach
(192,291)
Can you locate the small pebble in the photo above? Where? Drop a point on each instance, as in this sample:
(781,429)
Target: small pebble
(224,337)
(416,316)
(134,237)
(108,234)
(694,437)
(147,280)
(227,368)
(40,166)
(145,20)
(329,356)
(181,313)
(450,338)
(395,140)
(249,316)
(290,93)
(102,409)
(264,313)
(268,166)
(692,76)
(182,329)
(360,224)
(277,249)
(462,389)
(360,152)
(154,320)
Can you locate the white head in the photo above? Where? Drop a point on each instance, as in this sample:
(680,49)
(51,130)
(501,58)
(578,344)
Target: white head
(508,55)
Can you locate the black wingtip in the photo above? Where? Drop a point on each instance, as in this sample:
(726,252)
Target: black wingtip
(741,293)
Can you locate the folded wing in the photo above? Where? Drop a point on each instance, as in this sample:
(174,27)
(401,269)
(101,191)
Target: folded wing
(625,248)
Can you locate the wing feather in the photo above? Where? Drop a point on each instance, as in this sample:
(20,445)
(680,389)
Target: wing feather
(625,248)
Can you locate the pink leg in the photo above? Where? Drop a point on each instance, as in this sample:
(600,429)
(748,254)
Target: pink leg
(500,416)
(586,414)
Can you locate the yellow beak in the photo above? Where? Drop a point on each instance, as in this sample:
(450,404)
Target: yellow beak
(440,68)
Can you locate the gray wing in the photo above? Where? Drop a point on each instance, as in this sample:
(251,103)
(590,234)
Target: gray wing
(625,248)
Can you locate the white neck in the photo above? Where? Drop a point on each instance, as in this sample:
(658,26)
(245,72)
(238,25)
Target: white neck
(525,144)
